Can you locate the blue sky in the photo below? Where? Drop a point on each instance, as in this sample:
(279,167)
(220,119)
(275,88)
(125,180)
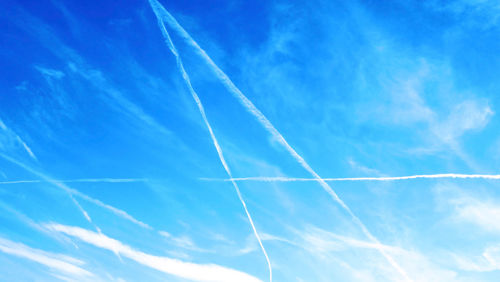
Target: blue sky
(228,140)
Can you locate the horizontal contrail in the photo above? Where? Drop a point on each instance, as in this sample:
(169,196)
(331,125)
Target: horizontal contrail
(383,178)
(106,180)
(72,192)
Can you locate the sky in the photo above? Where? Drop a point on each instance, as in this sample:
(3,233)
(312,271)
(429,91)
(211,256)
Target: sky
(258,140)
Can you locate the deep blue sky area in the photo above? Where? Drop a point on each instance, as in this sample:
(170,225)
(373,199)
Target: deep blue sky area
(249,140)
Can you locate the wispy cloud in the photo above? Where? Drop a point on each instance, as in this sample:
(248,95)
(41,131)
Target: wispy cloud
(250,107)
(489,260)
(481,213)
(466,116)
(322,243)
(183,241)
(186,270)
(60,263)
(50,72)
(162,15)
(483,14)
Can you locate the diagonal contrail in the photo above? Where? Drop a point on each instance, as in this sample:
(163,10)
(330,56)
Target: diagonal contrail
(57,184)
(250,107)
(72,192)
(382,178)
(18,139)
(161,14)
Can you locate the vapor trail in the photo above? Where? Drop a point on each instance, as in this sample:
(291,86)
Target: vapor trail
(81,180)
(249,106)
(72,192)
(384,178)
(162,14)
(47,179)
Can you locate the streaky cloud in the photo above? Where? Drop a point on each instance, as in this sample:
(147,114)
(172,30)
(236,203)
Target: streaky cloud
(186,270)
(114,210)
(250,107)
(160,13)
(61,263)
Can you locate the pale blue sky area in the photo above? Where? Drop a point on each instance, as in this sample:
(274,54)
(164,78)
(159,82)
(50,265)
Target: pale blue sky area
(225,140)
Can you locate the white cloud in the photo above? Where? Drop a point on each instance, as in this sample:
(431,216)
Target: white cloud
(361,168)
(465,116)
(482,14)
(183,241)
(323,243)
(193,271)
(50,72)
(60,263)
(484,214)
(489,260)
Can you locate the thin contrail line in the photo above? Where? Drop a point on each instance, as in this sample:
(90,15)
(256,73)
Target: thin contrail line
(383,178)
(82,180)
(72,192)
(57,184)
(158,9)
(250,107)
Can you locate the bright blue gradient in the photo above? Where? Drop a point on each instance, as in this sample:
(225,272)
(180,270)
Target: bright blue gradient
(108,171)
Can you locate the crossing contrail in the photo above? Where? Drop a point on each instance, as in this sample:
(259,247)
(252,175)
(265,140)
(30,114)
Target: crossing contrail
(72,192)
(57,184)
(382,178)
(250,107)
(161,13)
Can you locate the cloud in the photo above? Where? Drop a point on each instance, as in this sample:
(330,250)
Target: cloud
(57,74)
(466,116)
(60,263)
(359,167)
(481,213)
(324,244)
(186,270)
(184,242)
(489,260)
(483,14)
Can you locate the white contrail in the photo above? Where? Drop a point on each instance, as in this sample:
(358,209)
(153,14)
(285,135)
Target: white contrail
(187,270)
(383,178)
(82,180)
(58,184)
(18,139)
(249,106)
(72,192)
(160,13)
(26,148)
